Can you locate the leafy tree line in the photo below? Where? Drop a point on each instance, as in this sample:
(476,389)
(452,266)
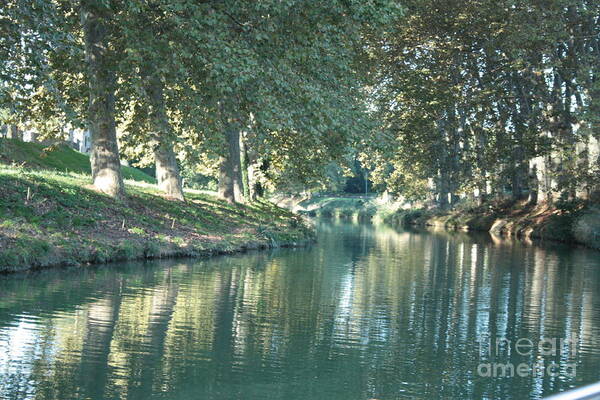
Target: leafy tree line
(439,100)
(258,93)
(488,98)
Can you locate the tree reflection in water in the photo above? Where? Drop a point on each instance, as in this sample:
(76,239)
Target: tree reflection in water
(369,312)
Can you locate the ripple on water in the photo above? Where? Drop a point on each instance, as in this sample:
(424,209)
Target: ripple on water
(368,313)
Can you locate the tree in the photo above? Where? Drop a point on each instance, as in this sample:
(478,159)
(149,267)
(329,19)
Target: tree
(473,106)
(104,157)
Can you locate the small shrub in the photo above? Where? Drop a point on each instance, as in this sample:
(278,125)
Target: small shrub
(126,250)
(152,250)
(99,255)
(569,205)
(410,217)
(9,260)
(586,229)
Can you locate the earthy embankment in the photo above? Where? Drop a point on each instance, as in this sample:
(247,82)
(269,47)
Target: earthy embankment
(571,223)
(51,218)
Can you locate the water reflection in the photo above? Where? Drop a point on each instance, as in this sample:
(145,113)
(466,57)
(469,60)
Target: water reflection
(370,312)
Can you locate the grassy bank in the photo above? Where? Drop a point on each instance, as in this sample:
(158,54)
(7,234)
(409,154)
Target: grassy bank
(564,222)
(58,157)
(51,218)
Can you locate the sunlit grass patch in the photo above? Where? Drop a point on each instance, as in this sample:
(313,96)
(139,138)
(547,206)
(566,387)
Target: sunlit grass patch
(57,157)
(53,217)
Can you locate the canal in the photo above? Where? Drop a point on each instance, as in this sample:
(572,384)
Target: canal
(369,312)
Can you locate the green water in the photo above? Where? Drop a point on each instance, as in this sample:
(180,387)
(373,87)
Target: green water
(369,312)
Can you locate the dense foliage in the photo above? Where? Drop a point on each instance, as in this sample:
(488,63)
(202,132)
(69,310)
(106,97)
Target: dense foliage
(438,100)
(269,92)
(487,98)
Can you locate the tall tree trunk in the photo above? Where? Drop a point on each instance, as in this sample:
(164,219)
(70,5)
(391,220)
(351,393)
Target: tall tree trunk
(522,118)
(233,138)
(230,172)
(518,173)
(569,143)
(583,187)
(534,183)
(481,191)
(454,131)
(480,179)
(547,178)
(442,189)
(520,169)
(246,170)
(167,169)
(14,132)
(225,186)
(252,188)
(444,175)
(594,154)
(104,157)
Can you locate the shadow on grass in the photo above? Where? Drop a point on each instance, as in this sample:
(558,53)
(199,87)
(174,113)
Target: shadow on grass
(50,219)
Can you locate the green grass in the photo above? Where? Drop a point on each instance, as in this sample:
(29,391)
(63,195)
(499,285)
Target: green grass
(57,158)
(64,222)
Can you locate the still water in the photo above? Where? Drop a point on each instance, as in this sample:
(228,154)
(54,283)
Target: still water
(367,313)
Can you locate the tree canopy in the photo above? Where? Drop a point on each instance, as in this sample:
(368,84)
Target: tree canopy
(185,82)
(489,98)
(438,100)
